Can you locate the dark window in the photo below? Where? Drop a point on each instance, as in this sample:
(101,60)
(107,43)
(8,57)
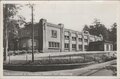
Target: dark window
(73,38)
(58,45)
(54,33)
(107,47)
(80,39)
(86,47)
(85,40)
(111,47)
(53,44)
(66,37)
(80,47)
(66,45)
(73,46)
(50,44)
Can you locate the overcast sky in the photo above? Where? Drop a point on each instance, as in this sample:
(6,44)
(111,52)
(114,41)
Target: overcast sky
(74,15)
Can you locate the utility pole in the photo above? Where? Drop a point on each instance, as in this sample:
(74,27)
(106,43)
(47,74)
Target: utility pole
(32,35)
(31,6)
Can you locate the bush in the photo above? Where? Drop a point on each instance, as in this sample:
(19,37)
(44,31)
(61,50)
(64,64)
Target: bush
(10,53)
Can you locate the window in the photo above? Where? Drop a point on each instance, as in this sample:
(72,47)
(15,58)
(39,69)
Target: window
(80,39)
(54,45)
(86,40)
(85,37)
(54,33)
(66,37)
(73,46)
(107,47)
(80,47)
(58,45)
(73,38)
(66,45)
(50,44)
(111,47)
(86,47)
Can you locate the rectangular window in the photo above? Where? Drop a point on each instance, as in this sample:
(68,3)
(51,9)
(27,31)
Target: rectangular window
(66,45)
(73,38)
(85,37)
(111,47)
(80,39)
(85,40)
(58,45)
(54,33)
(86,47)
(53,44)
(107,47)
(50,44)
(66,37)
(80,47)
(73,46)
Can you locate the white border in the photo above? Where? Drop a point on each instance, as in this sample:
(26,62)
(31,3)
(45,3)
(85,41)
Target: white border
(59,77)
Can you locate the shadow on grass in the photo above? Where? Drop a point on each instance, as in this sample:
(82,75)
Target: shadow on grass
(36,68)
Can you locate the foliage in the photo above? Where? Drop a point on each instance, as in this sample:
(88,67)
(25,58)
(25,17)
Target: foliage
(113,35)
(10,24)
(113,32)
(10,10)
(99,29)
(86,28)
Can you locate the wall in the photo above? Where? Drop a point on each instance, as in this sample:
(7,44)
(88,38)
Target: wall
(50,38)
(108,47)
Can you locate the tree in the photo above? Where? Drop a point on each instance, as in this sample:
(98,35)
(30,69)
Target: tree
(113,35)
(98,29)
(86,28)
(114,32)
(9,24)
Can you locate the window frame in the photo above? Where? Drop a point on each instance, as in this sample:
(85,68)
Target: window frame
(54,33)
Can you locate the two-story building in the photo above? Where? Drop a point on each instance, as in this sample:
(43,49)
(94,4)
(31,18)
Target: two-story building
(50,37)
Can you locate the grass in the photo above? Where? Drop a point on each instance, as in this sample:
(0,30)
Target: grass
(55,62)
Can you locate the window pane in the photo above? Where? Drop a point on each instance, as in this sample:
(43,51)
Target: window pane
(54,33)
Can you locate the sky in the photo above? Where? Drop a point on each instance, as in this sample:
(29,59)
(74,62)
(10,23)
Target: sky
(73,14)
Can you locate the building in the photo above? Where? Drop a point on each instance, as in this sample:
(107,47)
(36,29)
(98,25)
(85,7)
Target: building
(101,46)
(50,37)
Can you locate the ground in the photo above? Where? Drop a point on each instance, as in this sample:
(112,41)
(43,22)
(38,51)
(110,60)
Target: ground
(92,70)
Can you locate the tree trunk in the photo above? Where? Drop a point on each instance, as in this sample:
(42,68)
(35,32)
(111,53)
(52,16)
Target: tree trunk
(5,35)
(6,43)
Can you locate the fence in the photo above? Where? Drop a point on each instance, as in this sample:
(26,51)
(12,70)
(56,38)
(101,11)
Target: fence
(62,58)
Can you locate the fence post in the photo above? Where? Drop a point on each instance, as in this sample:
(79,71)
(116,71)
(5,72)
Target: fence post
(70,58)
(9,59)
(84,57)
(94,58)
(49,59)
(26,57)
